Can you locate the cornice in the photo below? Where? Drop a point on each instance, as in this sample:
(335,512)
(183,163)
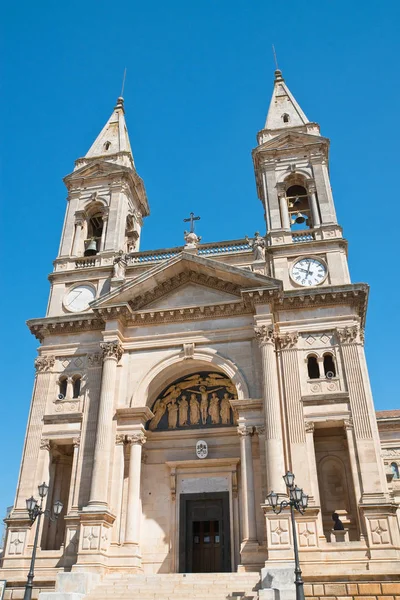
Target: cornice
(46,326)
(191,313)
(354,294)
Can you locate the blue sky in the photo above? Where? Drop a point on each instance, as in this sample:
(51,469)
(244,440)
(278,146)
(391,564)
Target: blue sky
(199,80)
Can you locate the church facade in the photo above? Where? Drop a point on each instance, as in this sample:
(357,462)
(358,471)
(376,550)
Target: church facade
(175,387)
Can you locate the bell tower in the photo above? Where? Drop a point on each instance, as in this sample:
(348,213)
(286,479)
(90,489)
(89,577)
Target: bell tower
(106,197)
(305,242)
(106,205)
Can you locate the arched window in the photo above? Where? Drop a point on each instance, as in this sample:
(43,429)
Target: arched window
(285,118)
(329,366)
(313,367)
(95,230)
(62,386)
(76,388)
(107,145)
(299,209)
(395,470)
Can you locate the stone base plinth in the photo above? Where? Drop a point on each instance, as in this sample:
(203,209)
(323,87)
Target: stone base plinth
(277,582)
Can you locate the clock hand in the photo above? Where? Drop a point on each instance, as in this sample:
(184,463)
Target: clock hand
(75,297)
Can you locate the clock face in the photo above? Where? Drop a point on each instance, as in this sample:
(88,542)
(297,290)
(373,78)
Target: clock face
(309,271)
(78,298)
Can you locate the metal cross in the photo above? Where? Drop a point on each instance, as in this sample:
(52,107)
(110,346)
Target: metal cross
(191,219)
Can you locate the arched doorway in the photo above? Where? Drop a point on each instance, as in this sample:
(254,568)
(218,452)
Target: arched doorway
(191,408)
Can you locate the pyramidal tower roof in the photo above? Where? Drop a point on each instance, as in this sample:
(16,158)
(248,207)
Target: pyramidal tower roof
(284,110)
(113,140)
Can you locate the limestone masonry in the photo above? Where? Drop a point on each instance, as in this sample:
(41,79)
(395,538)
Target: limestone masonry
(175,387)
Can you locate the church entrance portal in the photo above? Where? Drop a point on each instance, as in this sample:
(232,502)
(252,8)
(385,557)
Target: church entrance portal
(204,535)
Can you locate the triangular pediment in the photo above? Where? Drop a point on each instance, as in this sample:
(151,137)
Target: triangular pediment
(186,280)
(97,168)
(191,294)
(292,140)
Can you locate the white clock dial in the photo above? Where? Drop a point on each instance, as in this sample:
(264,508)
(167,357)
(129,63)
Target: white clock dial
(78,298)
(309,271)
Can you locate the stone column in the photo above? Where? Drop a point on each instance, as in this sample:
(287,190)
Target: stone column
(117,485)
(70,388)
(248,497)
(284,209)
(273,418)
(373,481)
(348,426)
(316,221)
(132,528)
(77,237)
(73,495)
(112,353)
(104,231)
(27,480)
(294,409)
(314,491)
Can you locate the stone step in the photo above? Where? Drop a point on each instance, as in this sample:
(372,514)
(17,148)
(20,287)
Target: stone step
(178,586)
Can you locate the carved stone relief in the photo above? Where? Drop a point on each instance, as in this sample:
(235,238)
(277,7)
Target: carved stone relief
(199,400)
(279,532)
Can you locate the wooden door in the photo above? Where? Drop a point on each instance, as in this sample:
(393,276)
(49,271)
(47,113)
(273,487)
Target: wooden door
(204,533)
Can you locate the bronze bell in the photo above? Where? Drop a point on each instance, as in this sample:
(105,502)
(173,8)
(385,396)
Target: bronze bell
(91,248)
(300,218)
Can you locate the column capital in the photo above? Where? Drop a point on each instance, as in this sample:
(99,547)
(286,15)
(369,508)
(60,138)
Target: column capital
(281,189)
(244,430)
(309,426)
(288,340)
(45,444)
(136,438)
(351,335)
(112,350)
(119,439)
(348,424)
(265,334)
(44,363)
(311,189)
(76,442)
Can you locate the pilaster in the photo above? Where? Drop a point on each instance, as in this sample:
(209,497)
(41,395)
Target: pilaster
(287,343)
(275,460)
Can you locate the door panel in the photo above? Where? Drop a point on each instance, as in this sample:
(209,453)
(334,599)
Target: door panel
(204,533)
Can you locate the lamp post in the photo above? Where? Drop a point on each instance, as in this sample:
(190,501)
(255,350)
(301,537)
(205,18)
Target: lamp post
(298,500)
(36,511)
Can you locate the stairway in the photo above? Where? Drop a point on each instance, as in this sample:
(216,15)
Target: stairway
(185,586)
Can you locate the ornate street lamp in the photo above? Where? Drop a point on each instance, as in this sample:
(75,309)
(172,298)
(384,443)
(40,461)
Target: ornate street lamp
(35,511)
(298,500)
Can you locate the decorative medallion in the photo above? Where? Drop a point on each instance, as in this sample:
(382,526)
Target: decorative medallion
(194,401)
(201,449)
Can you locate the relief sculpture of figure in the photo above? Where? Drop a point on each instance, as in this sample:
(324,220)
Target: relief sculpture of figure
(225,410)
(214,409)
(183,411)
(172,414)
(194,410)
(158,410)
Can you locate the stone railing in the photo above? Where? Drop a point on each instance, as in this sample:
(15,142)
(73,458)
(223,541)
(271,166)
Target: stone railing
(210,249)
(85,263)
(152,255)
(223,247)
(303,236)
